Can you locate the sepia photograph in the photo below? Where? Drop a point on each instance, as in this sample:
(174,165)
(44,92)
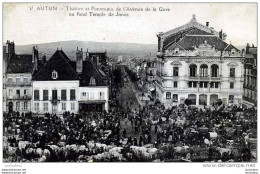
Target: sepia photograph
(129,82)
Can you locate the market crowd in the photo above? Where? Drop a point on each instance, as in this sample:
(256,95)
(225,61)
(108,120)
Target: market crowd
(188,134)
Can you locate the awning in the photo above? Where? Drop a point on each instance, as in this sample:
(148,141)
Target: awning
(92,101)
(152,89)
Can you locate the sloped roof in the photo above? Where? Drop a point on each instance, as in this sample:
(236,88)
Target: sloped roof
(60,63)
(192,24)
(89,70)
(193,34)
(252,50)
(20,64)
(177,36)
(230,47)
(188,42)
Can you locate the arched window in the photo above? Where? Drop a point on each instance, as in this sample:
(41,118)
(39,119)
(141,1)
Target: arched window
(193,70)
(192,97)
(214,70)
(92,81)
(213,99)
(204,70)
(54,74)
(203,99)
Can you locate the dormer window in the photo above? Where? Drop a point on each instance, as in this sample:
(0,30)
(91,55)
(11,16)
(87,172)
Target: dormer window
(92,81)
(54,74)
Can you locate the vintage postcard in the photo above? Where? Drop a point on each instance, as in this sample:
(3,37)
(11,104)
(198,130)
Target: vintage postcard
(130,82)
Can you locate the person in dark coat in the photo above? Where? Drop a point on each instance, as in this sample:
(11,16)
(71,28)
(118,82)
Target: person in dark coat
(140,140)
(124,132)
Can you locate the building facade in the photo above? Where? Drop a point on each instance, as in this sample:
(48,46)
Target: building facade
(194,62)
(250,77)
(64,85)
(17,71)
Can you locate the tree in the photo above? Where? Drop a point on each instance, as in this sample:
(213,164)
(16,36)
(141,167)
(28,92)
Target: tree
(219,102)
(118,75)
(188,101)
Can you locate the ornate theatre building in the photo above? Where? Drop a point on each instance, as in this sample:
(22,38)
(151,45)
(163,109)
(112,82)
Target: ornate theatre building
(195,62)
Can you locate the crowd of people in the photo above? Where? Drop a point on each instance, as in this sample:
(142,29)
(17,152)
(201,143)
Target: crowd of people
(149,134)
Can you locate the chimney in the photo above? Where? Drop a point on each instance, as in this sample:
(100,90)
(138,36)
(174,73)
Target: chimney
(96,60)
(87,55)
(35,58)
(79,61)
(220,34)
(193,18)
(44,60)
(10,52)
(247,48)
(207,24)
(10,48)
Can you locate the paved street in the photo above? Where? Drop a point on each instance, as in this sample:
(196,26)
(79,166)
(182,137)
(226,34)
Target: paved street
(127,96)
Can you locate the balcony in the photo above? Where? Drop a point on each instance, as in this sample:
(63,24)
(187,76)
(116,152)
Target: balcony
(18,83)
(194,78)
(19,97)
(250,87)
(204,78)
(254,101)
(216,78)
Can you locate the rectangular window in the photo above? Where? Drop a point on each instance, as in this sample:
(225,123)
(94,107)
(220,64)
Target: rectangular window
(190,84)
(72,94)
(211,85)
(216,85)
(17,106)
(25,91)
(102,95)
(175,84)
(18,92)
(9,81)
(54,94)
(10,92)
(91,95)
(45,106)
(25,79)
(231,85)
(194,84)
(175,97)
(25,105)
(84,94)
(18,80)
(168,95)
(36,107)
(201,84)
(231,98)
(175,71)
(36,95)
(22,105)
(63,94)
(205,84)
(232,72)
(45,95)
(63,106)
(72,106)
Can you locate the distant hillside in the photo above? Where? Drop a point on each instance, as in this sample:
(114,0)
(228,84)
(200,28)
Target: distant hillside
(114,49)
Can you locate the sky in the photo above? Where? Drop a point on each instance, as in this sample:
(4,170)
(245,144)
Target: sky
(25,26)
